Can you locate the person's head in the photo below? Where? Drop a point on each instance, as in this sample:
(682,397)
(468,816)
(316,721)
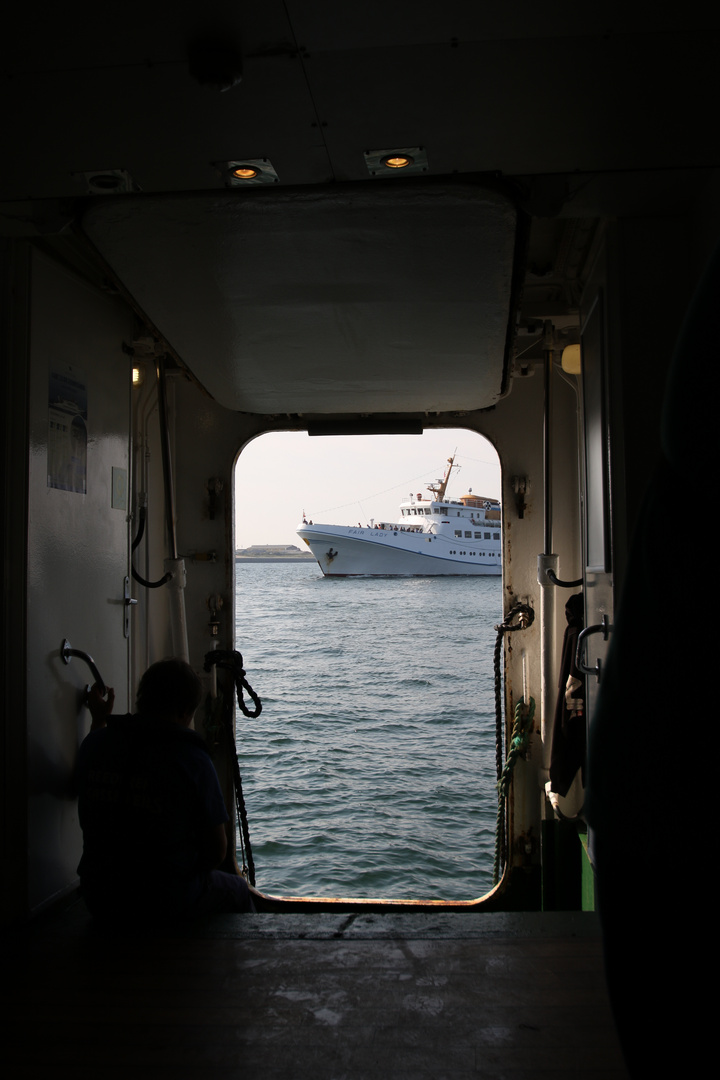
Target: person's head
(169,690)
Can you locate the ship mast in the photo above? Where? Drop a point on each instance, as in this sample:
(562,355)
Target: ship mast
(439,489)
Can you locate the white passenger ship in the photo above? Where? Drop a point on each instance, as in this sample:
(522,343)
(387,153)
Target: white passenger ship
(432,537)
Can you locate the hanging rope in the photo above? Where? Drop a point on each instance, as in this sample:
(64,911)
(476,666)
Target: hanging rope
(525,616)
(522,726)
(233,661)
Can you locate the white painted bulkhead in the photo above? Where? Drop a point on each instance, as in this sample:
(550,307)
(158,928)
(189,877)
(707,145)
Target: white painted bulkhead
(77,556)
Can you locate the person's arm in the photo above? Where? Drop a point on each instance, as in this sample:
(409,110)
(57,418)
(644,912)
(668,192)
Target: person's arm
(212,814)
(213,846)
(100,706)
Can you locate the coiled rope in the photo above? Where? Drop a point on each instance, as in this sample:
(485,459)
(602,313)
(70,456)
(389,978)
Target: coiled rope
(232,661)
(522,726)
(525,616)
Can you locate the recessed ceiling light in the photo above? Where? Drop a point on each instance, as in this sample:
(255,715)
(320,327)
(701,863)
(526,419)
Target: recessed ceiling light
(105,181)
(247,171)
(109,182)
(398,159)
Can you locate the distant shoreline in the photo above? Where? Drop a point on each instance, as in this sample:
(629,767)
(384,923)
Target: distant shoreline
(275,558)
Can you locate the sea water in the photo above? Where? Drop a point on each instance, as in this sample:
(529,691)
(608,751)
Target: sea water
(371,770)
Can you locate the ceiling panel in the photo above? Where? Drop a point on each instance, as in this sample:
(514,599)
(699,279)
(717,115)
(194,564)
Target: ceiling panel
(376,298)
(527,90)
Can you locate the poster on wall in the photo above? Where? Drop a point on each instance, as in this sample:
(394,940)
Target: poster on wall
(67,430)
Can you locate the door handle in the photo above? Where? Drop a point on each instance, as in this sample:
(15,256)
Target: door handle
(603,628)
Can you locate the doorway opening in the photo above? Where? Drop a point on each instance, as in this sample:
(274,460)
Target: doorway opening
(371,770)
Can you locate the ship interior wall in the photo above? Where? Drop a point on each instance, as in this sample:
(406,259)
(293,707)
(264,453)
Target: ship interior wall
(516,428)
(77,546)
(150,626)
(14,372)
(67,555)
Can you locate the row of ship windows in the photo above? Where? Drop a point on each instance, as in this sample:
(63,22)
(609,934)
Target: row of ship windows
(444,510)
(478,536)
(479,554)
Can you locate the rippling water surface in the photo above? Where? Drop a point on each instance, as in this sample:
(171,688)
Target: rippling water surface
(370,772)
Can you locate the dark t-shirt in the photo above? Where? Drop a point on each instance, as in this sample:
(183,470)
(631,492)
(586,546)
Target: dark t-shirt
(148,791)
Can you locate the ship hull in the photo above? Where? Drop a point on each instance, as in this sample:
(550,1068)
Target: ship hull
(363,552)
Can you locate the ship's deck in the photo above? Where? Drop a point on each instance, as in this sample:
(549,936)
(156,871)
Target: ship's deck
(318,995)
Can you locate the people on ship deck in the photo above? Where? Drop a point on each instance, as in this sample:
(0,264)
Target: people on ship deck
(150,806)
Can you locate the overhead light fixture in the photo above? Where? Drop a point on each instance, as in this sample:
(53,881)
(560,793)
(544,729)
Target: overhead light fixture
(400,159)
(571,360)
(247,171)
(109,182)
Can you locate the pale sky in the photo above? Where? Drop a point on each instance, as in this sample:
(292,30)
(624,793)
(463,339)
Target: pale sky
(343,480)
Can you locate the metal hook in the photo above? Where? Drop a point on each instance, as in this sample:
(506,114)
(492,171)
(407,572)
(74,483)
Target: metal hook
(66,652)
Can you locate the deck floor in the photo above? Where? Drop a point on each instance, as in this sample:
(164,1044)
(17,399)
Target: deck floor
(322,995)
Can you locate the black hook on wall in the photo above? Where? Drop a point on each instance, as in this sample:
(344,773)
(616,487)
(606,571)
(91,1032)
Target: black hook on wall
(67,652)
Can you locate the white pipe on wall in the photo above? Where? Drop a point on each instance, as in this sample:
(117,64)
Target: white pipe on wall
(178,621)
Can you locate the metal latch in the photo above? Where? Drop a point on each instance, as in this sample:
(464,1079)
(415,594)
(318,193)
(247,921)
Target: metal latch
(128,601)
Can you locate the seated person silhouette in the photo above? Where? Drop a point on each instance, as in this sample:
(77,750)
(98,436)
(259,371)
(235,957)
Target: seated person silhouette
(150,806)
